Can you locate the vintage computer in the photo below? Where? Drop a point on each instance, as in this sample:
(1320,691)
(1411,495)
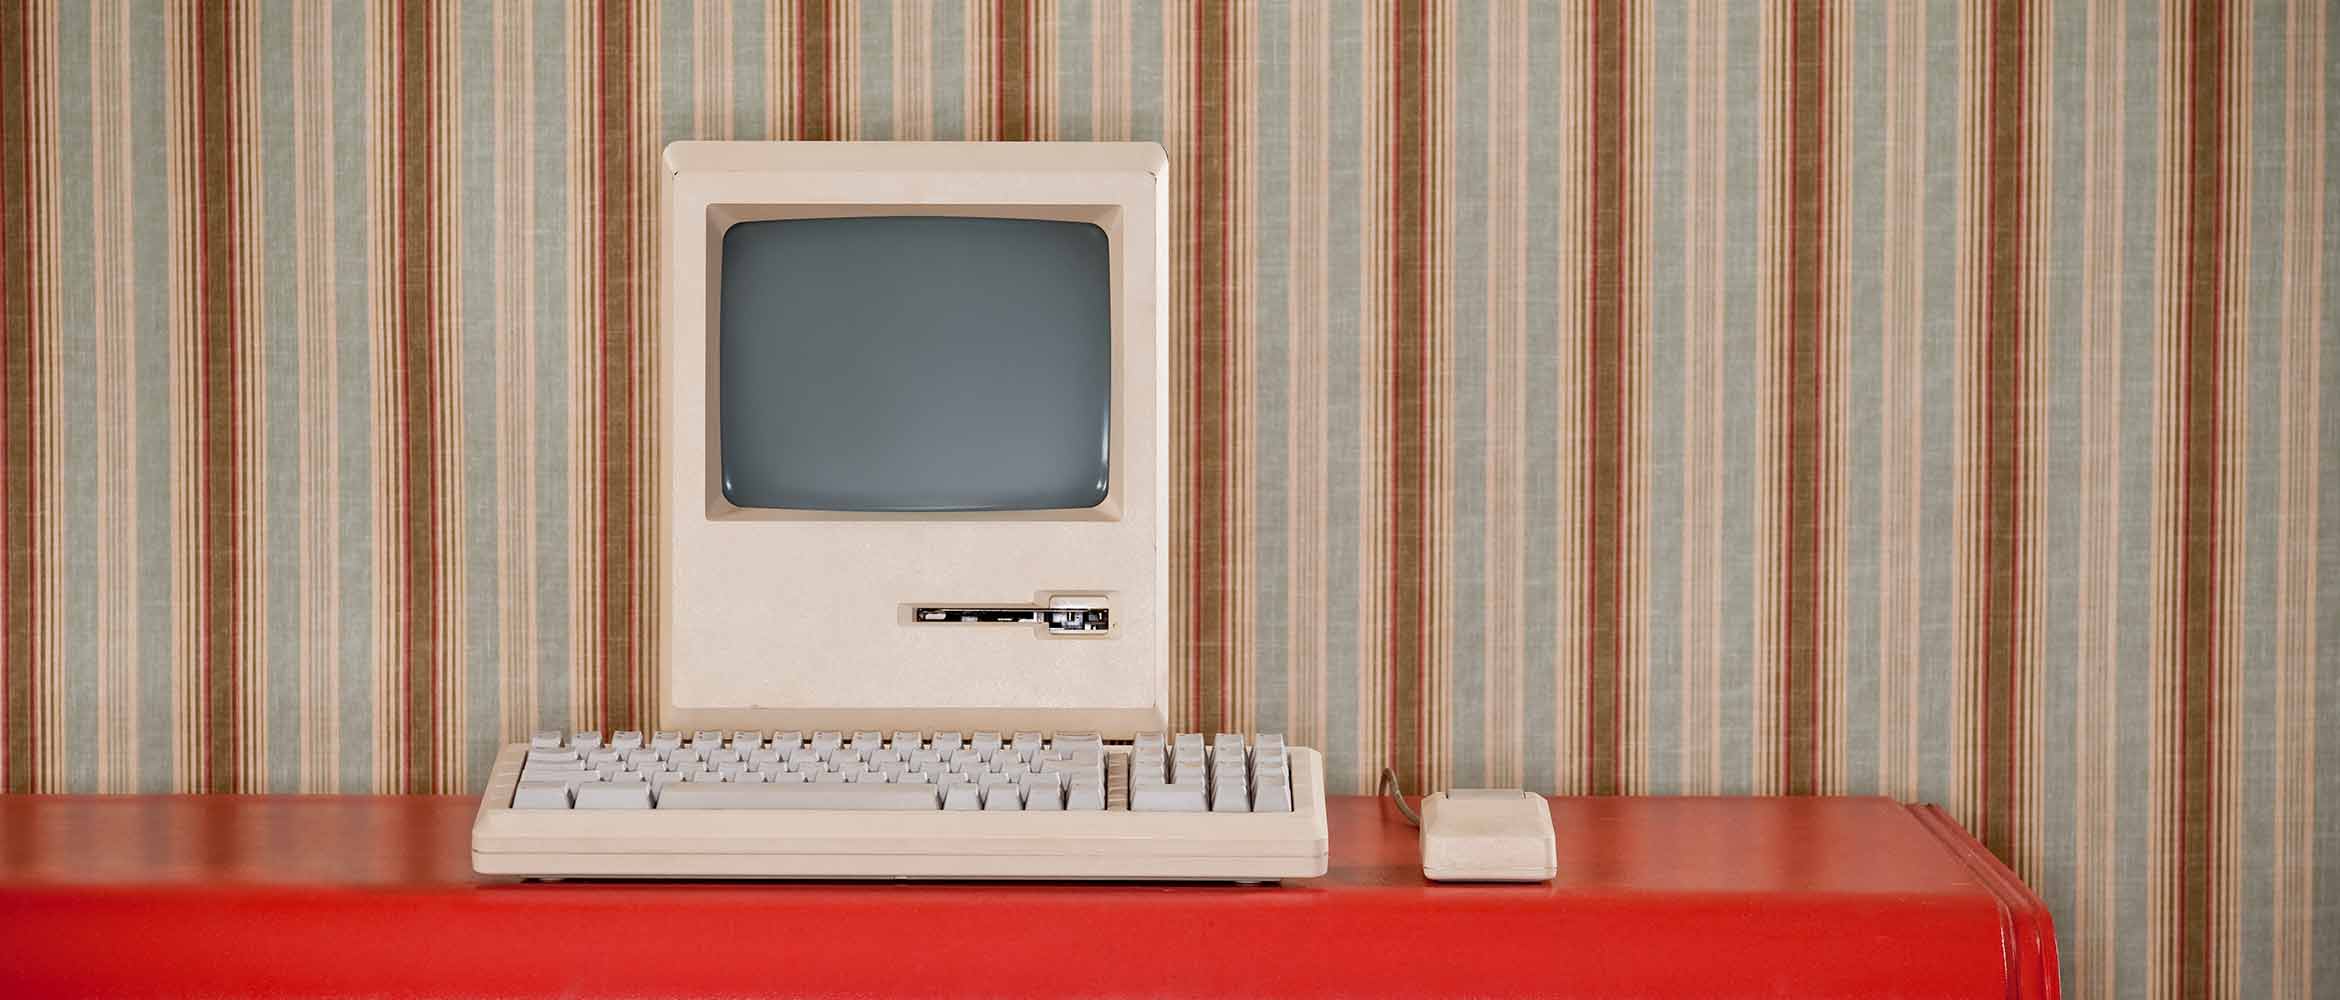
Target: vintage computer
(913,545)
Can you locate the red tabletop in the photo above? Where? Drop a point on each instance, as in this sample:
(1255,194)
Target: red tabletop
(220,895)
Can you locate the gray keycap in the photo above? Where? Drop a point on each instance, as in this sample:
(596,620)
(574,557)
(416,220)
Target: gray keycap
(1230,798)
(1272,796)
(541,795)
(1168,798)
(1148,765)
(1187,764)
(625,795)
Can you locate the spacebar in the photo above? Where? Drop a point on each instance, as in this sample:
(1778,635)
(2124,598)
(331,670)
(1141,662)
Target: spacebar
(714,795)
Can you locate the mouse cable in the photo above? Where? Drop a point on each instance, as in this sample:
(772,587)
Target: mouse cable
(1389,786)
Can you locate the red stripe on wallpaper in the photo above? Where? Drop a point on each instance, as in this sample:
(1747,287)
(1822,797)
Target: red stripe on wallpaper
(2003,426)
(620,154)
(1409,345)
(1209,199)
(2199,546)
(1607,353)
(20,612)
(816,71)
(416,415)
(1804,362)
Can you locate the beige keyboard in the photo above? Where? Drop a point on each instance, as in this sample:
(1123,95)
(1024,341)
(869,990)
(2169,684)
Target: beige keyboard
(901,804)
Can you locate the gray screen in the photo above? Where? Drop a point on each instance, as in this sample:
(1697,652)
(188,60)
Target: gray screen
(915,364)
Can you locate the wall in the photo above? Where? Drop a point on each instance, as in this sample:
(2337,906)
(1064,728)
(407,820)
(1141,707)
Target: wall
(1922,399)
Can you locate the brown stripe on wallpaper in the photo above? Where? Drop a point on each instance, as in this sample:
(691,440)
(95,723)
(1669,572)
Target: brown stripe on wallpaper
(816,114)
(1407,340)
(211,57)
(2002,359)
(1203,206)
(2202,647)
(1011,101)
(1804,360)
(1930,399)
(1609,411)
(20,398)
(415,433)
(619,261)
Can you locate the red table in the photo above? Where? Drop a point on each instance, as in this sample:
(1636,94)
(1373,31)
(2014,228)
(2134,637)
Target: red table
(1706,897)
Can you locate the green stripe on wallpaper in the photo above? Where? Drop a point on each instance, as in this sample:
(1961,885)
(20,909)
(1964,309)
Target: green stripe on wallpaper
(80,389)
(1930,399)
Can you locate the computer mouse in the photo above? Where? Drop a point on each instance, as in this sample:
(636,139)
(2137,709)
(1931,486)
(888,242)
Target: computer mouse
(1487,835)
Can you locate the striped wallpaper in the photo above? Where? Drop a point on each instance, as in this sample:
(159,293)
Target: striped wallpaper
(1924,398)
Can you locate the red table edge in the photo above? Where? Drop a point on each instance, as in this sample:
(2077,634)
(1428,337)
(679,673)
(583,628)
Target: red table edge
(2033,972)
(2025,945)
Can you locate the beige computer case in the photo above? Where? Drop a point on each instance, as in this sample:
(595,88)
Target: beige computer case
(796,619)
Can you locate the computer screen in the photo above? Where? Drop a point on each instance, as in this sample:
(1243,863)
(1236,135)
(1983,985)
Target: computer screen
(915,363)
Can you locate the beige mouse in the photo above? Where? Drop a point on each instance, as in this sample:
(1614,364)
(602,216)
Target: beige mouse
(1487,835)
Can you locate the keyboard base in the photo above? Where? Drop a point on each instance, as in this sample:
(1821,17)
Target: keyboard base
(897,867)
(1116,845)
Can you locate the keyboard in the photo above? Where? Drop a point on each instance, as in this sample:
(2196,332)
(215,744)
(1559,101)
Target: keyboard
(902,804)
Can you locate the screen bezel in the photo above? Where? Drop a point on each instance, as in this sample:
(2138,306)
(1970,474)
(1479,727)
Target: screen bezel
(721,216)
